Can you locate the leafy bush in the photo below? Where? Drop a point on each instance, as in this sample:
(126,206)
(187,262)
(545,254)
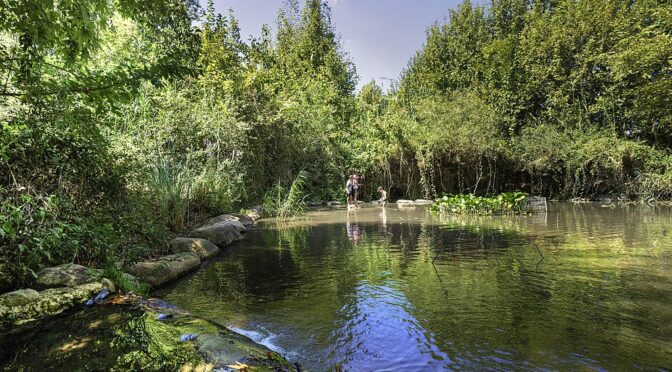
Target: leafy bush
(505,203)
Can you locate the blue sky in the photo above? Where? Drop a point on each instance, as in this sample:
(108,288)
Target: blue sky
(379,35)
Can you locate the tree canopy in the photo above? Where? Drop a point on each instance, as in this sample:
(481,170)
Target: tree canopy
(123,122)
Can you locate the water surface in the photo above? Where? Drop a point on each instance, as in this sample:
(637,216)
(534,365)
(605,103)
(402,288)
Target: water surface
(579,287)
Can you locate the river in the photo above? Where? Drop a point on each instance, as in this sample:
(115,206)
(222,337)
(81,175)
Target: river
(582,286)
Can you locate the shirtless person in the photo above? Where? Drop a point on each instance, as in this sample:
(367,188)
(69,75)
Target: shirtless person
(383,196)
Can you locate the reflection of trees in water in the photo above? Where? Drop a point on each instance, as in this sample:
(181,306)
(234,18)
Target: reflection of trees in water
(475,282)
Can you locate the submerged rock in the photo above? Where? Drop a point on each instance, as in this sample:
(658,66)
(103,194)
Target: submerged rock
(165,269)
(130,337)
(221,234)
(20,297)
(202,247)
(67,275)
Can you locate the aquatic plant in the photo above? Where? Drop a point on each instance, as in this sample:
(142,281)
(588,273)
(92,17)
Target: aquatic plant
(504,203)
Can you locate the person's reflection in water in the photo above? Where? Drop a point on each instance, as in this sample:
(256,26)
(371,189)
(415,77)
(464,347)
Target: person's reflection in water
(383,218)
(385,235)
(352,228)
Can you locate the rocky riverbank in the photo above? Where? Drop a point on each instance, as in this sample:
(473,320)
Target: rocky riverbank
(62,287)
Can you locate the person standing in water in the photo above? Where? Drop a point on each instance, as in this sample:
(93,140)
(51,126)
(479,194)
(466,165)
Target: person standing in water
(349,189)
(355,188)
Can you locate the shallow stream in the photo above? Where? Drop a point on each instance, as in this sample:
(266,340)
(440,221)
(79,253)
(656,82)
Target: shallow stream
(579,287)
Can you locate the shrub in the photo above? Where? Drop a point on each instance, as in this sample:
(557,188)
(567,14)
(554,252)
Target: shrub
(505,203)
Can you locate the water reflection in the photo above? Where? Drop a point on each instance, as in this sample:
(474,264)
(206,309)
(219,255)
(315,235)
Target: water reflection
(383,288)
(377,322)
(352,227)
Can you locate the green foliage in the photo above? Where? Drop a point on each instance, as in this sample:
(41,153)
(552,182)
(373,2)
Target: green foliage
(288,202)
(171,186)
(123,282)
(505,203)
(554,98)
(123,123)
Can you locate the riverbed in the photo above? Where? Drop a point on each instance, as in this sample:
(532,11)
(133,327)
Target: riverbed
(582,286)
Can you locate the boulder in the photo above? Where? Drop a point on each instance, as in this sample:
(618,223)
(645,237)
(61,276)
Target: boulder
(255,212)
(244,220)
(67,275)
(20,297)
(202,247)
(334,204)
(107,283)
(165,269)
(221,234)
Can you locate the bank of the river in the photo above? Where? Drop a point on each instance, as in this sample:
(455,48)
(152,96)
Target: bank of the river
(50,329)
(65,286)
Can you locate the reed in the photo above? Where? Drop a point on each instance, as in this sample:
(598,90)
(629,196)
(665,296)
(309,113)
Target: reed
(288,202)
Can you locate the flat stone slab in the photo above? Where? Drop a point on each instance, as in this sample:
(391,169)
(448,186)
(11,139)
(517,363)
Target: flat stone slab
(407,203)
(66,275)
(221,234)
(165,269)
(20,297)
(423,201)
(49,302)
(244,220)
(204,248)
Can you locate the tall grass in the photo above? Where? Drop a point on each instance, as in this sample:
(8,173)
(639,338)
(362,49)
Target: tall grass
(183,196)
(170,184)
(217,189)
(288,202)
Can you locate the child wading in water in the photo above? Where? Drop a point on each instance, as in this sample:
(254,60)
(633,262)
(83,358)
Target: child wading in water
(383,196)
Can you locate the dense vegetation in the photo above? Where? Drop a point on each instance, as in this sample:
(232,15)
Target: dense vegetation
(502,204)
(124,122)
